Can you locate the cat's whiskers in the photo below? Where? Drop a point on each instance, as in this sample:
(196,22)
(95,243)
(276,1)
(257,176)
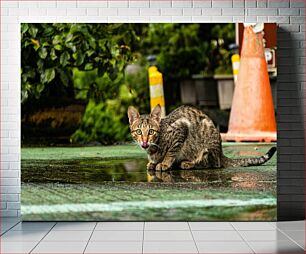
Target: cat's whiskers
(137,144)
(134,143)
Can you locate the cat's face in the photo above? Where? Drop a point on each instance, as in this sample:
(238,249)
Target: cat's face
(144,128)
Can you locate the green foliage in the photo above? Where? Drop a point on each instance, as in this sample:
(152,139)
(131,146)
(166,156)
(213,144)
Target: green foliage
(89,85)
(50,51)
(186,49)
(86,62)
(105,118)
(102,122)
(178,47)
(224,35)
(105,121)
(138,85)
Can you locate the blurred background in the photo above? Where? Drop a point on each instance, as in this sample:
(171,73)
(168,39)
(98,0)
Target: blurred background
(79,79)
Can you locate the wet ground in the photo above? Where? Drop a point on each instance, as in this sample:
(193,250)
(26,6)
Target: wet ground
(100,177)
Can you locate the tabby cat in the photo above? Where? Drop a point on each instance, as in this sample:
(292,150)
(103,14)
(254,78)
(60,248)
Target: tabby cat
(186,137)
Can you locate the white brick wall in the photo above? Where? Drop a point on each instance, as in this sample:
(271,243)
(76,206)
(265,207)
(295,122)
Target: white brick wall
(290,14)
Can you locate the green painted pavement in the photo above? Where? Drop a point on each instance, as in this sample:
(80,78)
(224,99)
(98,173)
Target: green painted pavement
(198,186)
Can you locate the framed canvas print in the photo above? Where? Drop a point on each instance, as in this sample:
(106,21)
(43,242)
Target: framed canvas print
(148,122)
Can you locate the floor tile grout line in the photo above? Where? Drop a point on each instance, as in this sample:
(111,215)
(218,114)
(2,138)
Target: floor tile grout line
(273,225)
(93,230)
(42,238)
(244,240)
(143,232)
(290,238)
(233,227)
(10,228)
(193,238)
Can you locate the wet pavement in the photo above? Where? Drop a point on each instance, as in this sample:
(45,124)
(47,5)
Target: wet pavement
(99,175)
(97,171)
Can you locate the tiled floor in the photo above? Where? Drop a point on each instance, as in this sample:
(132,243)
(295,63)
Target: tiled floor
(152,237)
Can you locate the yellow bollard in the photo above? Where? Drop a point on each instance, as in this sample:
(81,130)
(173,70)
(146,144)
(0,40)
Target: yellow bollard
(235,64)
(156,89)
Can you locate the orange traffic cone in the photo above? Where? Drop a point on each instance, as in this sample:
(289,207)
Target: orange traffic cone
(252,117)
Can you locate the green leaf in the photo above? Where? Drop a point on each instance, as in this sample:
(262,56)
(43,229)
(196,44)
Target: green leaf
(28,74)
(33,31)
(71,46)
(64,58)
(102,43)
(40,64)
(48,31)
(24,95)
(88,67)
(43,53)
(58,47)
(64,78)
(36,47)
(48,75)
(89,53)
(69,37)
(27,43)
(53,54)
(115,52)
(92,42)
(56,40)
(112,61)
(40,87)
(44,43)
(79,58)
(24,27)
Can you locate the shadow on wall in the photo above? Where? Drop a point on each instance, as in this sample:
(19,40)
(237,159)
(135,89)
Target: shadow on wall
(290,197)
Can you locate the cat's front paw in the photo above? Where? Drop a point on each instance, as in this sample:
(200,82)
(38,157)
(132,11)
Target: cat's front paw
(151,166)
(187,165)
(162,167)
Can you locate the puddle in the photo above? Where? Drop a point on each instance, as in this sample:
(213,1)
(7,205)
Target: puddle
(132,170)
(83,171)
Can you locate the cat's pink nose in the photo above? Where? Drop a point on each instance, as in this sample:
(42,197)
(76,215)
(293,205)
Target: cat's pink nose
(145,145)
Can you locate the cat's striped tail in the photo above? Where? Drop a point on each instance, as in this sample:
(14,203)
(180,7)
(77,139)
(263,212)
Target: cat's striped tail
(255,161)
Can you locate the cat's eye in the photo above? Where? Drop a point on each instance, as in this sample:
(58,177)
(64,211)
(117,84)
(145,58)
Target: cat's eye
(151,132)
(138,132)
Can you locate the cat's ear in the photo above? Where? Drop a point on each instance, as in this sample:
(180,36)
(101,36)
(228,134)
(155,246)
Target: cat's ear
(132,114)
(156,113)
